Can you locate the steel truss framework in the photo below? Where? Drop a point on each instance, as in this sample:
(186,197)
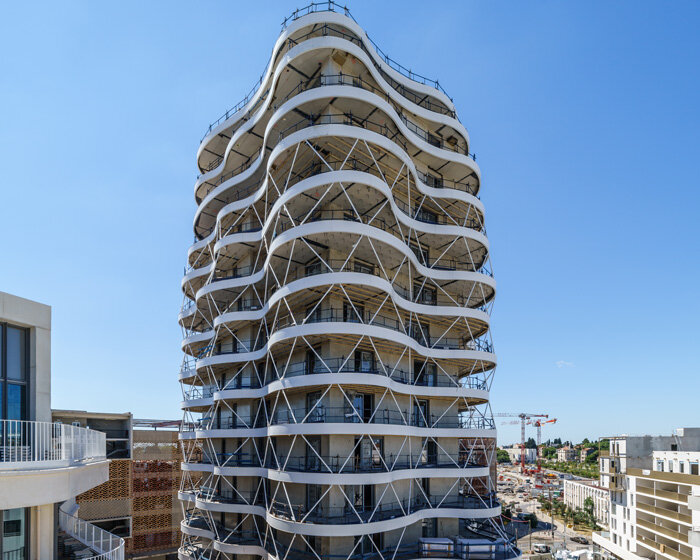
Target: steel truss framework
(338,358)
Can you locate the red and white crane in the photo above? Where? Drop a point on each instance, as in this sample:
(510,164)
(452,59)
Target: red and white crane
(525,418)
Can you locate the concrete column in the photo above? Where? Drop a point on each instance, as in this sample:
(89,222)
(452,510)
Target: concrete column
(43,529)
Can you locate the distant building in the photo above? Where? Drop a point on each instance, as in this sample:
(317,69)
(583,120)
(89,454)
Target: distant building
(654,497)
(584,453)
(139,502)
(576,492)
(566,454)
(515,452)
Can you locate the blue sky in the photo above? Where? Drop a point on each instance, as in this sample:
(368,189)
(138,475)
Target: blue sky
(584,117)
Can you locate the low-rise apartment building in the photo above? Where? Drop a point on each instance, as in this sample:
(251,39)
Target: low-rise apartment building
(655,497)
(43,465)
(576,492)
(584,453)
(566,454)
(515,452)
(139,501)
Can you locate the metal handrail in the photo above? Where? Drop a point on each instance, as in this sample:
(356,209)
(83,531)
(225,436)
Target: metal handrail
(28,444)
(332,6)
(498,549)
(339,464)
(316,168)
(106,545)
(366,123)
(328,7)
(340,365)
(345,515)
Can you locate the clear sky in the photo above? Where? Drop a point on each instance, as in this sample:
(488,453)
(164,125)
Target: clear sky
(584,117)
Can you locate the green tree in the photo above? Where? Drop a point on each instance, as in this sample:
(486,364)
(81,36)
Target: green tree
(502,456)
(592,458)
(589,510)
(530,444)
(532,518)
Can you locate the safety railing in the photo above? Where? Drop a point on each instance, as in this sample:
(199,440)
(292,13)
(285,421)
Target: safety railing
(26,444)
(423,378)
(441,263)
(385,510)
(339,365)
(348,415)
(375,464)
(345,415)
(464,548)
(424,296)
(316,167)
(331,6)
(380,128)
(350,80)
(414,330)
(105,545)
(334,7)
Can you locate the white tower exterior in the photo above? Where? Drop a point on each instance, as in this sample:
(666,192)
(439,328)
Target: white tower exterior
(336,317)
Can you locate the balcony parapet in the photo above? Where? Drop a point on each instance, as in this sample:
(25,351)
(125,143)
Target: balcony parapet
(30,445)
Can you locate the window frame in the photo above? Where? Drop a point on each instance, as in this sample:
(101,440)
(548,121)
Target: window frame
(5,382)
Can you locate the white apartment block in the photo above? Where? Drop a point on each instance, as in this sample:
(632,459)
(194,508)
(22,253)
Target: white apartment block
(516,451)
(655,497)
(43,465)
(576,492)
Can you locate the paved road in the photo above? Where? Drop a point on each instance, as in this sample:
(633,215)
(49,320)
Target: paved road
(561,539)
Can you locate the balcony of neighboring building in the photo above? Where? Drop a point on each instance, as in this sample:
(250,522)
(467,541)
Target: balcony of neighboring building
(44,462)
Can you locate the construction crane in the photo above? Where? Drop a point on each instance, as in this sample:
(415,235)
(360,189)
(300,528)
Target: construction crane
(524,418)
(538,424)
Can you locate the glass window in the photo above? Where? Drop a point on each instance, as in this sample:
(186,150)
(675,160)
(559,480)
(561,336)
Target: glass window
(14,534)
(14,369)
(16,353)
(16,402)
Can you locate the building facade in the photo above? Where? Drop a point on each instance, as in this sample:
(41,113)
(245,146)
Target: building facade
(139,502)
(336,317)
(515,452)
(43,465)
(584,453)
(566,454)
(576,492)
(654,509)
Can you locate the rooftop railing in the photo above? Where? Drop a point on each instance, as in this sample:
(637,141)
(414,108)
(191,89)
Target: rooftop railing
(105,545)
(26,444)
(334,7)
(331,6)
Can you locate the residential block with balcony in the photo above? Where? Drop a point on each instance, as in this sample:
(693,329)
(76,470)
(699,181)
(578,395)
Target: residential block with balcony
(43,465)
